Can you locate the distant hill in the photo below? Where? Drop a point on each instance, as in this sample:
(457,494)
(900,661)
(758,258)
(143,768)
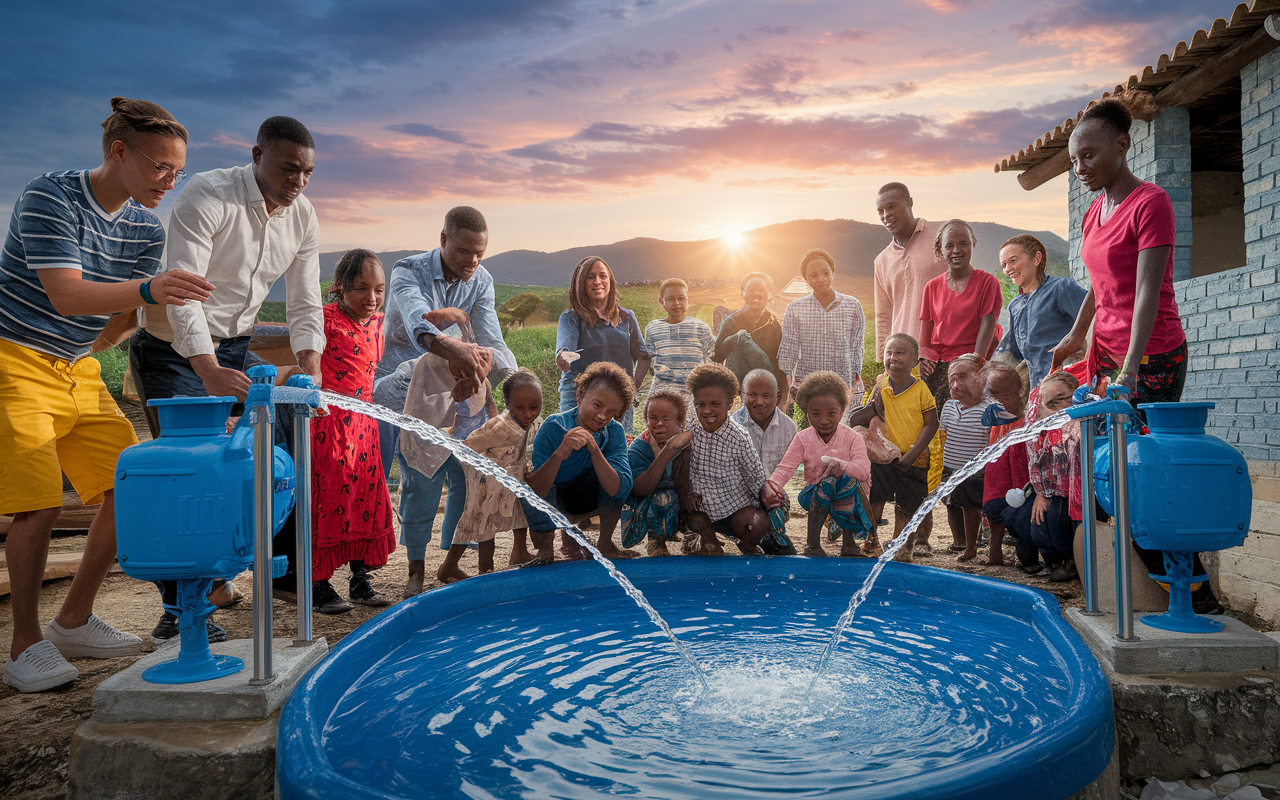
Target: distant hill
(775,249)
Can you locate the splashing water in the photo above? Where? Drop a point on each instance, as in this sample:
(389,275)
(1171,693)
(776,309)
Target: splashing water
(988,455)
(433,435)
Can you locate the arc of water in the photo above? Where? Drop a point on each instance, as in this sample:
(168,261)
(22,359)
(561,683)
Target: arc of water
(988,454)
(435,436)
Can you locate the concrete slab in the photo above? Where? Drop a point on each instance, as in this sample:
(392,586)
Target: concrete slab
(127,697)
(1236,648)
(166,760)
(1178,727)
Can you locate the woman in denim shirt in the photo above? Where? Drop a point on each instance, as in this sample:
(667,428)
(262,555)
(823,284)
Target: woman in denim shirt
(595,328)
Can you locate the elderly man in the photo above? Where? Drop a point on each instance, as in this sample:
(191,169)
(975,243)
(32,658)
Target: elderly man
(242,228)
(902,269)
(429,294)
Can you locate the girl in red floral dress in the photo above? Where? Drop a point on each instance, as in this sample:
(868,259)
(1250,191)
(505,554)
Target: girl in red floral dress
(350,506)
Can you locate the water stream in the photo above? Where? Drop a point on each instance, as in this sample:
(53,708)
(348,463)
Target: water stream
(988,455)
(433,435)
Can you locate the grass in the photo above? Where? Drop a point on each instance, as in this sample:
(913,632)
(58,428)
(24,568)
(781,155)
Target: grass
(115,363)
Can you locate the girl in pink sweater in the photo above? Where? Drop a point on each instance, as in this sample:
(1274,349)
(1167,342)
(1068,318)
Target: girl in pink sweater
(836,467)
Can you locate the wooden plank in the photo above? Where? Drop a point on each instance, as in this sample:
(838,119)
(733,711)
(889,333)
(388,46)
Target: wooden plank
(75,516)
(1216,70)
(59,565)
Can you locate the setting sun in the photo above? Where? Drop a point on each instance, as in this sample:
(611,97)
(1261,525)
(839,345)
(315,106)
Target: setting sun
(734,238)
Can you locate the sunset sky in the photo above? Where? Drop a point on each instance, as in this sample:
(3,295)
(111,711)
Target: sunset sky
(573,123)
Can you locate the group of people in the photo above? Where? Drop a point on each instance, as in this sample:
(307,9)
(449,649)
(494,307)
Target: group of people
(84,253)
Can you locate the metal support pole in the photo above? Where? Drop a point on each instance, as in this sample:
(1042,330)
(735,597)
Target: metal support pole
(302,516)
(1120,495)
(264,526)
(1089,539)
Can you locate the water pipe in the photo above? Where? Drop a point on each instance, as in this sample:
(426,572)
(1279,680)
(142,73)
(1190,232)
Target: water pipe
(258,406)
(1120,493)
(1089,538)
(1118,409)
(302,413)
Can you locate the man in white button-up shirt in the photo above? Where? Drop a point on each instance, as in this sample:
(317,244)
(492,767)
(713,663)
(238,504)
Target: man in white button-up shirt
(242,228)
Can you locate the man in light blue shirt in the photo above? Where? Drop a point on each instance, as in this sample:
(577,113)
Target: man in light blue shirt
(430,296)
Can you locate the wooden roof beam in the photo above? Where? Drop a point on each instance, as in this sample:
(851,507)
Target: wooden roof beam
(1220,68)
(1046,170)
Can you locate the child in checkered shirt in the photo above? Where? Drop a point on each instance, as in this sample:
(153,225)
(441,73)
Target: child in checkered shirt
(725,472)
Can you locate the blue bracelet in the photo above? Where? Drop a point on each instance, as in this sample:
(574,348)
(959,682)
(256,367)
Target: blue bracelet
(144,289)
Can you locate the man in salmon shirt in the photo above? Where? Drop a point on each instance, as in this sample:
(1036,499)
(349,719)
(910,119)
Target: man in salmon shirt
(902,269)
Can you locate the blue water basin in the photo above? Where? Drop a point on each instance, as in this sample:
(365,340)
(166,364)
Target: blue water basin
(550,683)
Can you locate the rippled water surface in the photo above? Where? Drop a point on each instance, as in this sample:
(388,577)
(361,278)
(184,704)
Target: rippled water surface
(575,695)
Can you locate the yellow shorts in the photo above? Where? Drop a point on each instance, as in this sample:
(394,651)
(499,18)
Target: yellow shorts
(55,418)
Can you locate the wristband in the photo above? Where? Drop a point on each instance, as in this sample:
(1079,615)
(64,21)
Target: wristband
(144,289)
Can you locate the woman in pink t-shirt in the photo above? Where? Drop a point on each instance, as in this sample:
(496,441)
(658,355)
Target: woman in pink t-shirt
(1138,339)
(958,311)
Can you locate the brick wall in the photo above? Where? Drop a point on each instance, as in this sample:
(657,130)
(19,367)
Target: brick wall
(1232,320)
(1259,131)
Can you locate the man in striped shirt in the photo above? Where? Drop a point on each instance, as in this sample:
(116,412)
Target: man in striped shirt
(81,247)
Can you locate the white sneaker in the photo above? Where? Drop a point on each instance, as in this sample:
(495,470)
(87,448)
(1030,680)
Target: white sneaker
(94,639)
(38,668)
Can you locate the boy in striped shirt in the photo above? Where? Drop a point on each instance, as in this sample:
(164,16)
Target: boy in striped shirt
(677,343)
(964,437)
(76,264)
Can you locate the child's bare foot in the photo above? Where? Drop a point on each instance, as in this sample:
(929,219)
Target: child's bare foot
(657,549)
(850,551)
(922,549)
(750,549)
(516,558)
(815,551)
(966,557)
(709,545)
(570,550)
(417,573)
(451,575)
(871,547)
(612,551)
(905,556)
(995,559)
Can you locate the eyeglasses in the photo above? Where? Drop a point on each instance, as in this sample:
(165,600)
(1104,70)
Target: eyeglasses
(163,171)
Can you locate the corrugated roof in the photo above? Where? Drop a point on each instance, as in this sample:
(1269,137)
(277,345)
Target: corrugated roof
(1246,21)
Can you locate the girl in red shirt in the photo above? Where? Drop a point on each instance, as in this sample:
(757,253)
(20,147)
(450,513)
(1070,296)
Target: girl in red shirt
(958,310)
(350,505)
(1127,247)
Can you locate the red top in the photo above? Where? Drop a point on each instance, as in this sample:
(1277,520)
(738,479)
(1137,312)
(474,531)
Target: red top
(350,505)
(1110,252)
(956,317)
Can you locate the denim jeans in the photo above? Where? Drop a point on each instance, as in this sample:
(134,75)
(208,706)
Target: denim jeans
(581,494)
(1056,535)
(1017,521)
(420,501)
(159,372)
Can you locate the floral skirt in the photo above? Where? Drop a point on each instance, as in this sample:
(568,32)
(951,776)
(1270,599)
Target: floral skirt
(656,516)
(841,498)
